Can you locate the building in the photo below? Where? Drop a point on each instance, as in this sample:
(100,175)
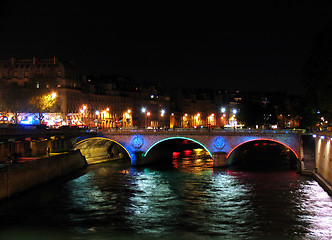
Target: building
(20,79)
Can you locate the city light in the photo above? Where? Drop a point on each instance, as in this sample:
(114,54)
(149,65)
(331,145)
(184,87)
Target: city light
(143,109)
(234,111)
(223,109)
(97,112)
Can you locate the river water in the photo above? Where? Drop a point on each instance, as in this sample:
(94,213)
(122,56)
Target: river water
(190,200)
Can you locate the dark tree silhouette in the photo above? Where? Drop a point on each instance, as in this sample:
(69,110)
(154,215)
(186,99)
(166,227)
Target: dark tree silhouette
(317,79)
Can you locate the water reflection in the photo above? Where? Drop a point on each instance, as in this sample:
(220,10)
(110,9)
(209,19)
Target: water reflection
(188,201)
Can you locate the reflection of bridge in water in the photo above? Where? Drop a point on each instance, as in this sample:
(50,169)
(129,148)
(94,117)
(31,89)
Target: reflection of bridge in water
(218,143)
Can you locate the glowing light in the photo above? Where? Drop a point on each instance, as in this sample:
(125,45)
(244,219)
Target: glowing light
(84,107)
(97,112)
(148,113)
(223,109)
(54,95)
(314,135)
(163,111)
(129,111)
(176,154)
(82,110)
(143,109)
(107,109)
(162,140)
(187,153)
(322,137)
(88,139)
(234,111)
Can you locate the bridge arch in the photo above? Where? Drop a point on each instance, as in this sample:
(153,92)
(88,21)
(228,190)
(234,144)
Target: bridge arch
(95,147)
(174,138)
(263,139)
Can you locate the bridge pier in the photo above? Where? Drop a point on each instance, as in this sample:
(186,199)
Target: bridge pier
(137,158)
(219,159)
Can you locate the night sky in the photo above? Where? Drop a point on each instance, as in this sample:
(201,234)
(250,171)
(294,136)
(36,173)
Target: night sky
(261,47)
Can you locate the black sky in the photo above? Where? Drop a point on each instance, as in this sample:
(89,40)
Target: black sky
(231,47)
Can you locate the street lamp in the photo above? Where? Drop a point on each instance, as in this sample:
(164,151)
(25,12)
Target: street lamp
(82,111)
(97,115)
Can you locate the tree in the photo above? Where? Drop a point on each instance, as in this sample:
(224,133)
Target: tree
(42,103)
(317,78)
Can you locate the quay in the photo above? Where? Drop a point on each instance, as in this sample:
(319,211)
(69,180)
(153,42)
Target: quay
(29,172)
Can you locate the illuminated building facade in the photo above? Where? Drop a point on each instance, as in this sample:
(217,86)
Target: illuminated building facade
(113,101)
(49,76)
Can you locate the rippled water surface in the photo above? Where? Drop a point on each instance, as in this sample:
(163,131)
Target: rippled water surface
(193,201)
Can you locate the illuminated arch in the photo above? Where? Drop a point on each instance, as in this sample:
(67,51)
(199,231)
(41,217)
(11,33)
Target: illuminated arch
(263,139)
(170,138)
(87,139)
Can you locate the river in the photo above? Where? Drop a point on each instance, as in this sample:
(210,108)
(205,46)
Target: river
(190,200)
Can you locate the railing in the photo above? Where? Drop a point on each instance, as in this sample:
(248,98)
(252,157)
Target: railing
(5,131)
(201,130)
(13,131)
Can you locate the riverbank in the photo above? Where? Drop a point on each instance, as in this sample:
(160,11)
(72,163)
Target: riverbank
(30,172)
(320,179)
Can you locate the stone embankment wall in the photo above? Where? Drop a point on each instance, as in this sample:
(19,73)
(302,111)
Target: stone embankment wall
(323,144)
(18,177)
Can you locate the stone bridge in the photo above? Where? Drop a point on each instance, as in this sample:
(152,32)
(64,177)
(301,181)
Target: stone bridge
(218,143)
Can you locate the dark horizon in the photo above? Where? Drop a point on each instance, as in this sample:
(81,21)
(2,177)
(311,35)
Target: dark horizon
(235,48)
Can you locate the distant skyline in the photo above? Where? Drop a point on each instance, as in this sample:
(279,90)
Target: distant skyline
(231,47)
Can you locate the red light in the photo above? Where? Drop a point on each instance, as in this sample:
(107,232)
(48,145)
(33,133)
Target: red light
(176,154)
(187,153)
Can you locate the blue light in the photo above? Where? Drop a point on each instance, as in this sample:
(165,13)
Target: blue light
(314,135)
